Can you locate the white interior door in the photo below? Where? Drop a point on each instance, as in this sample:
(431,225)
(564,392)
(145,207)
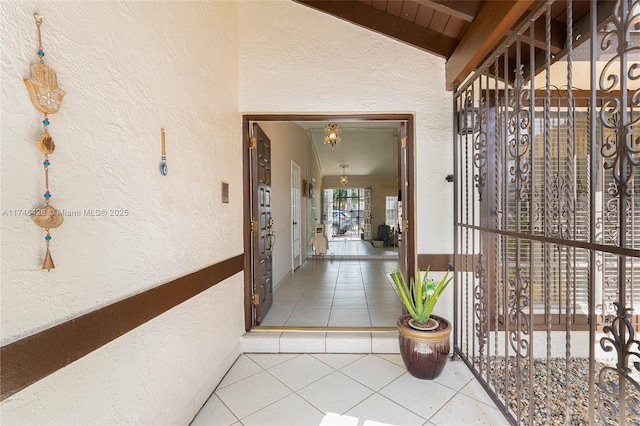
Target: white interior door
(296,216)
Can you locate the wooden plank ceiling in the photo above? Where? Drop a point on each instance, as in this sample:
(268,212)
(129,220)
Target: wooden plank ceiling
(462,32)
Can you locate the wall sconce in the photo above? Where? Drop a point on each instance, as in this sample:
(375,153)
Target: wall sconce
(344,180)
(467,118)
(332,134)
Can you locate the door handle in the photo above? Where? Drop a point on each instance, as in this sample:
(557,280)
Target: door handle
(295,223)
(270,238)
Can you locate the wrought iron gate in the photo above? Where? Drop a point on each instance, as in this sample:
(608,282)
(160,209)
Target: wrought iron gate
(547,151)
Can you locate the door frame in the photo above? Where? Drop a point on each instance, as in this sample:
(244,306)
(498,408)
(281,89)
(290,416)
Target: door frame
(408,199)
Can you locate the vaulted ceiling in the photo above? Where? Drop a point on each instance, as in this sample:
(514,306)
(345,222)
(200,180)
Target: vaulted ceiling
(465,33)
(462,32)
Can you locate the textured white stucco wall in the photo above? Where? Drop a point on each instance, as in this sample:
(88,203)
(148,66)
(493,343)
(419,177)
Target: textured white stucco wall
(296,59)
(128,68)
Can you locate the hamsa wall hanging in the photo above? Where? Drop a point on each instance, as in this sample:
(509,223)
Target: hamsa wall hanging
(46,97)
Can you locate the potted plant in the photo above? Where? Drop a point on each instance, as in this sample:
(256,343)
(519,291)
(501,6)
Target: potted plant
(424,337)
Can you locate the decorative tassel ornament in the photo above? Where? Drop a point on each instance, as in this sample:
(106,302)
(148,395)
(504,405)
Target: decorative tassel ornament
(46,97)
(48,261)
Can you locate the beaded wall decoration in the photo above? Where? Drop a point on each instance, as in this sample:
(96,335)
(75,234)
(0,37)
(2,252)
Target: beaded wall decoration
(46,97)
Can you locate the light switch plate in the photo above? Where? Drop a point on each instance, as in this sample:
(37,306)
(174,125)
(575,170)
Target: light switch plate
(225,192)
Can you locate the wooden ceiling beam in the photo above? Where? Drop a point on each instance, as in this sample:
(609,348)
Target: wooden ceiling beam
(383,23)
(558,35)
(489,28)
(507,77)
(581,31)
(465,10)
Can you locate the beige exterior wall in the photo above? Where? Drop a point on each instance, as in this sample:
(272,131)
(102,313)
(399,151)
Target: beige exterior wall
(294,59)
(128,69)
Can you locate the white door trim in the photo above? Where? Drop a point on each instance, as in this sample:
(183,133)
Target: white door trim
(296,216)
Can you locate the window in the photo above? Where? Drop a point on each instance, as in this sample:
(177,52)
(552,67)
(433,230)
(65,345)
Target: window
(348,211)
(391,212)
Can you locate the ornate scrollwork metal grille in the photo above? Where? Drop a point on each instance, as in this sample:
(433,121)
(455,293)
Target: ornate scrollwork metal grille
(548,217)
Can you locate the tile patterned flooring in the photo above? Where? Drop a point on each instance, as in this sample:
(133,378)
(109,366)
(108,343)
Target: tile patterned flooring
(344,248)
(344,390)
(340,378)
(342,290)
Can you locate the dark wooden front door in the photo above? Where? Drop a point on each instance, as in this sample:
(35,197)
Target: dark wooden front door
(261,214)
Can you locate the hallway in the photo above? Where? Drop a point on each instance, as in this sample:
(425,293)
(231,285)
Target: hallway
(346,390)
(351,286)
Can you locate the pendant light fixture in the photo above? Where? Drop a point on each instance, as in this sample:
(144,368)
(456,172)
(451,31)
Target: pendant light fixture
(332,134)
(344,180)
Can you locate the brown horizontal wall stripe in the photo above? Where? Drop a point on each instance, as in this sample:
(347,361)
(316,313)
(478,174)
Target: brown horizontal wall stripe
(435,262)
(32,358)
(443,262)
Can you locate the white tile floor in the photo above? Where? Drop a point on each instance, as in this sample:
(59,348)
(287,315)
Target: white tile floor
(340,378)
(353,341)
(345,390)
(352,292)
(341,247)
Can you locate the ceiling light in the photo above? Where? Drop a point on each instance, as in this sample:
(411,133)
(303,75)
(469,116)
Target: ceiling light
(332,134)
(344,180)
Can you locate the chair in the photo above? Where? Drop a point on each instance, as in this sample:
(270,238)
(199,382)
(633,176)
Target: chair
(383,234)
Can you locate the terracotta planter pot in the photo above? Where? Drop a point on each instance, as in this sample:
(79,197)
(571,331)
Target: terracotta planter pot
(424,352)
